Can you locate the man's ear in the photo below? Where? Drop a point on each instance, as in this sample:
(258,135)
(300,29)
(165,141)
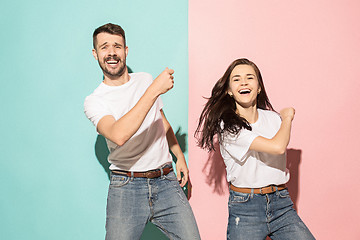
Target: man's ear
(94,54)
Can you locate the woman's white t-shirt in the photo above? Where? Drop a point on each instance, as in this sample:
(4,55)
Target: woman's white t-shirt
(248,168)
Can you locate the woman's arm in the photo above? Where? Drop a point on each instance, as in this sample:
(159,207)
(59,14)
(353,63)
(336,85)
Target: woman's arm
(276,145)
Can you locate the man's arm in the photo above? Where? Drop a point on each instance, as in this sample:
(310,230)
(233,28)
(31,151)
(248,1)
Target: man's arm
(121,130)
(278,144)
(174,146)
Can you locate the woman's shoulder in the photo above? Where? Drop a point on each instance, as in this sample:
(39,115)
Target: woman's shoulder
(269,114)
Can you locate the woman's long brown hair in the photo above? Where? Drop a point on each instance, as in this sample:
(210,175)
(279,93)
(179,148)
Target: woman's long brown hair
(220,107)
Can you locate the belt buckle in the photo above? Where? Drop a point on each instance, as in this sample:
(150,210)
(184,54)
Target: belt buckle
(148,174)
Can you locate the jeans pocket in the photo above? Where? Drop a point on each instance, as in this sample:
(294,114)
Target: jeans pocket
(118,180)
(170,176)
(171,181)
(284,193)
(237,197)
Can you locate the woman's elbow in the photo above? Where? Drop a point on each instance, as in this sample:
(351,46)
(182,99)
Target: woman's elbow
(279,150)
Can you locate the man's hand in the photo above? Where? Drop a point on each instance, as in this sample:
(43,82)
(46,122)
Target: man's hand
(164,82)
(181,167)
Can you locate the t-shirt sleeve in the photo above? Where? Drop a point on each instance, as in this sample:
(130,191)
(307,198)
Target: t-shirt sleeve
(159,103)
(238,145)
(94,109)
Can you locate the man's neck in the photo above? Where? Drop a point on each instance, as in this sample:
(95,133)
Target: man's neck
(117,81)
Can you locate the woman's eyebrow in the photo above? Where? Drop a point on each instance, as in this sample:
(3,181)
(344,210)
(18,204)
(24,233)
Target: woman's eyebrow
(249,74)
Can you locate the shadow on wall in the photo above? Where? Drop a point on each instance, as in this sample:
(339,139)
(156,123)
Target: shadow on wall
(151,232)
(181,138)
(102,152)
(215,171)
(293,159)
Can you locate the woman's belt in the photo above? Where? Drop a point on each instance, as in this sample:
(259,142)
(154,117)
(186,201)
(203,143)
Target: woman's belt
(263,190)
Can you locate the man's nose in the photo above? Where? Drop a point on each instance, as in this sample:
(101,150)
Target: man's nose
(111,51)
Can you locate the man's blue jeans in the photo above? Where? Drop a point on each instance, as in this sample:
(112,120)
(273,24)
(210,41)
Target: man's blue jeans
(132,202)
(255,216)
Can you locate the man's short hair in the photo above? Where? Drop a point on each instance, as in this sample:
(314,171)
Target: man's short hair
(108,28)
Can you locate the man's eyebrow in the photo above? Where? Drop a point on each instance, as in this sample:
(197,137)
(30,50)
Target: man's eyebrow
(103,44)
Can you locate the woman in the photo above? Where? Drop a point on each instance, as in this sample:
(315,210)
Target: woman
(253,140)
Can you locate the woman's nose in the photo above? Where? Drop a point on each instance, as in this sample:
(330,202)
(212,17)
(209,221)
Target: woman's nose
(243,82)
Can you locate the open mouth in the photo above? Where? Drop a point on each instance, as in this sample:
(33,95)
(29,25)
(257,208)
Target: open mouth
(244,91)
(112,62)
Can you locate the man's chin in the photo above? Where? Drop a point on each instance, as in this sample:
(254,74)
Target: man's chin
(113,74)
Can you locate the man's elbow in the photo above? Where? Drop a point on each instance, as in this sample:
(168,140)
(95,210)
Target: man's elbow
(119,140)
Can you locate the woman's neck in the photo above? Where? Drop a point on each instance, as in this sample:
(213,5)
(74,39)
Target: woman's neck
(250,114)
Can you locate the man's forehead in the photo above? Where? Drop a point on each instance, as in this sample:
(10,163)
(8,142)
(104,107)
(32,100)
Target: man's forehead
(109,38)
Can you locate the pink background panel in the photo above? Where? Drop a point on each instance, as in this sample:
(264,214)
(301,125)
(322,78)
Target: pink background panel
(308,53)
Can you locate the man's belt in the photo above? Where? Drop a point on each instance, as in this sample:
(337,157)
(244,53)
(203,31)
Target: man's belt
(148,174)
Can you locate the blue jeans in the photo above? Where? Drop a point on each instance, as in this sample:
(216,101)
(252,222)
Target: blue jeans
(255,216)
(132,202)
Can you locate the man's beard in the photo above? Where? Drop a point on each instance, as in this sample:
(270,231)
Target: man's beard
(116,74)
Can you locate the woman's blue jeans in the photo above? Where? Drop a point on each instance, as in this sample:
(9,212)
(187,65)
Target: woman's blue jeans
(132,202)
(255,216)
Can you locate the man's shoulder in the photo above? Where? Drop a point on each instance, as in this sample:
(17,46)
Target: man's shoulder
(96,95)
(140,75)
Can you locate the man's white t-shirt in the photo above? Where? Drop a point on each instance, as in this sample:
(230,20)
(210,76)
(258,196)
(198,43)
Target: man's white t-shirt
(251,169)
(148,148)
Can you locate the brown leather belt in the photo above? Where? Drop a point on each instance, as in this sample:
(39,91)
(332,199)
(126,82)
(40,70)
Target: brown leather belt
(148,174)
(263,190)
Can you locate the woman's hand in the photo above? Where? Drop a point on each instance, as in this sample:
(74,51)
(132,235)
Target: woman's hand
(287,113)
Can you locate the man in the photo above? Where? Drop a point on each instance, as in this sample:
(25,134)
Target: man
(127,110)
